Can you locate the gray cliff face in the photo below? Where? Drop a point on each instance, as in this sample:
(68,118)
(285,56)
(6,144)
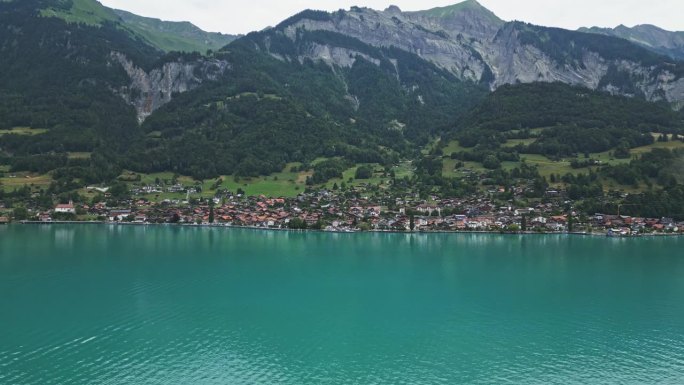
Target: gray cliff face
(342,57)
(148,91)
(385,29)
(513,62)
(472,43)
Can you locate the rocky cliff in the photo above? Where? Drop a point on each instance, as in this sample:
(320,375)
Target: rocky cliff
(472,43)
(148,91)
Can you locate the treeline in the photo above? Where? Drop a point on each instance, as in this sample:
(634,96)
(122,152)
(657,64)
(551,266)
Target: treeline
(664,203)
(569,140)
(659,165)
(569,121)
(537,105)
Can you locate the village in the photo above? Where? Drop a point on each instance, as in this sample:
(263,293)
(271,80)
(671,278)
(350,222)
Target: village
(356,210)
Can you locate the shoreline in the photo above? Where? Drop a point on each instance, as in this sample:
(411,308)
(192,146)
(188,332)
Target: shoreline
(492,232)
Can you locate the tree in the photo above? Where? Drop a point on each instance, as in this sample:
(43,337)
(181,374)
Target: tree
(20,214)
(523,223)
(297,224)
(491,162)
(120,191)
(412,222)
(211,211)
(622,151)
(571,223)
(364,172)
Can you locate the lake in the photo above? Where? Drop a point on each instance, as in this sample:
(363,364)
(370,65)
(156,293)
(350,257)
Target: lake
(98,304)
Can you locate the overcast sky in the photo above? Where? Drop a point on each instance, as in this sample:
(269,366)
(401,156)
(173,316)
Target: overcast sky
(231,16)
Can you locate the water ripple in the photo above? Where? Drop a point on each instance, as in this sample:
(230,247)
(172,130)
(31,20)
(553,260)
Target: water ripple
(171,306)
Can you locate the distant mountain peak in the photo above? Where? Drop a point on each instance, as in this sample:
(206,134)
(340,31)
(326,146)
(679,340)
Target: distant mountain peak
(393,9)
(649,36)
(472,6)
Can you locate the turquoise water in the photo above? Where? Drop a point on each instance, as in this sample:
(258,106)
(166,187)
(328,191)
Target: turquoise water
(170,305)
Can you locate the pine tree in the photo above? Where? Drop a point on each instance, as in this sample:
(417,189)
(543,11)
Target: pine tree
(211,211)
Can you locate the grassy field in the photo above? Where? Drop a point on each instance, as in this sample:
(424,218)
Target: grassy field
(285,183)
(547,166)
(404,169)
(449,168)
(452,147)
(671,145)
(282,184)
(515,142)
(79,155)
(23,131)
(83,11)
(22,179)
(348,176)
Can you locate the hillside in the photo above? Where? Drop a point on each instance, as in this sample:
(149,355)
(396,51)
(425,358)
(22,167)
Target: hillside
(278,104)
(174,36)
(561,120)
(84,97)
(164,35)
(66,81)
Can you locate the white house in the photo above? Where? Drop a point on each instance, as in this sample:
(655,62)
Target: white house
(66,209)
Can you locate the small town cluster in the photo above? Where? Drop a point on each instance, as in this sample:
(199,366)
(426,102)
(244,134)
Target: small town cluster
(351,211)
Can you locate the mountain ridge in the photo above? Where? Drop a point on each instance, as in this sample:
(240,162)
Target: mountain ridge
(476,47)
(164,35)
(356,86)
(659,40)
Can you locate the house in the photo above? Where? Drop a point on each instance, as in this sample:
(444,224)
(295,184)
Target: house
(66,208)
(4,220)
(119,215)
(427,209)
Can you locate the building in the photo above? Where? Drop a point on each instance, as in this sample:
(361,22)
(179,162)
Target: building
(66,208)
(119,215)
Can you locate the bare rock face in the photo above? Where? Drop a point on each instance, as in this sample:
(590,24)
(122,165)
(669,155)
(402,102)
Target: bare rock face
(342,57)
(148,91)
(472,43)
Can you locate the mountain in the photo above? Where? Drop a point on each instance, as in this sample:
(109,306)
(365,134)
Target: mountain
(473,44)
(649,36)
(321,94)
(174,36)
(356,86)
(164,35)
(67,78)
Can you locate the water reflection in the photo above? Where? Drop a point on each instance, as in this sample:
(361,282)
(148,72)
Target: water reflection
(174,304)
